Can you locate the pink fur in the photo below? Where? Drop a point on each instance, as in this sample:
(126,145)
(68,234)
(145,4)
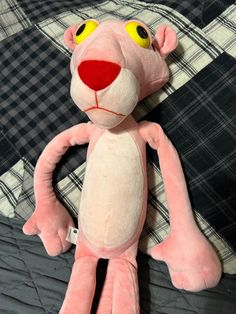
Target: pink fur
(119,139)
(165,40)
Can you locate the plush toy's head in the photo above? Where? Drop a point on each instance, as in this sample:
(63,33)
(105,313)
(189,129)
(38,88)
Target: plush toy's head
(114,65)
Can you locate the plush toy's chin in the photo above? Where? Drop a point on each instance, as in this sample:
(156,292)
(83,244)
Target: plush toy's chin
(105,119)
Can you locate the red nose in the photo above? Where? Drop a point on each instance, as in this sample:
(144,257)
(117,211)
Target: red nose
(98,74)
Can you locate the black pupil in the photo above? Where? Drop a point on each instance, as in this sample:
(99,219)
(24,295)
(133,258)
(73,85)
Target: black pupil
(142,32)
(80,30)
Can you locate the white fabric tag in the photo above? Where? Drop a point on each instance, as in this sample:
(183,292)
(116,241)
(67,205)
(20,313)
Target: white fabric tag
(72,235)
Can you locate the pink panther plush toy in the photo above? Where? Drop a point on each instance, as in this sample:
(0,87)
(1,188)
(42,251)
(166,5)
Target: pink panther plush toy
(114,65)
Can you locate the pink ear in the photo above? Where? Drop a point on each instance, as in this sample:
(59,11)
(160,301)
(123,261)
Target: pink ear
(69,37)
(165,40)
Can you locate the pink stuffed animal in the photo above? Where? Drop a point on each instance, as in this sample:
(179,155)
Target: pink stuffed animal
(114,65)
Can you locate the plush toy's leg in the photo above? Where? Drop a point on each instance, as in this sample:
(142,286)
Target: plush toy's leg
(81,288)
(120,292)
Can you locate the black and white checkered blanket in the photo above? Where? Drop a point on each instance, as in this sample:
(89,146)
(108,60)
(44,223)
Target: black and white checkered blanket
(196,108)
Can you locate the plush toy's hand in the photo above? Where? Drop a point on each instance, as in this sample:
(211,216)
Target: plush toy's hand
(50,222)
(192,262)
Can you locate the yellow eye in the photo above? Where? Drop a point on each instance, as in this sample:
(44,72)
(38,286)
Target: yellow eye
(85,30)
(138,33)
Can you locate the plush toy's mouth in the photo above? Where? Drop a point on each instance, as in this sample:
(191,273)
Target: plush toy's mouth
(104,109)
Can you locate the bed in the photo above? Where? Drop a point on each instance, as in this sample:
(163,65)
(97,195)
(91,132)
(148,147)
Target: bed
(196,108)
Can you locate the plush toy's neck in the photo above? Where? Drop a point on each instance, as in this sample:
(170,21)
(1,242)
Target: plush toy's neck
(128,123)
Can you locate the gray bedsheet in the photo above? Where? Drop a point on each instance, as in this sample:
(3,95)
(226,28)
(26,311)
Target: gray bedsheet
(31,282)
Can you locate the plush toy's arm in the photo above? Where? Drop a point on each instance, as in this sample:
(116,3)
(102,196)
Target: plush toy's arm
(180,211)
(192,262)
(50,219)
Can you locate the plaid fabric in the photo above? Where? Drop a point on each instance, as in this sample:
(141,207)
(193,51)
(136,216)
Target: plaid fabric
(8,155)
(194,52)
(12,18)
(214,8)
(198,12)
(35,100)
(10,188)
(39,10)
(26,202)
(11,177)
(224,24)
(191,9)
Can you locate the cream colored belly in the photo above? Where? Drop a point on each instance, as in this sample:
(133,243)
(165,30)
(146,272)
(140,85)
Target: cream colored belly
(113,191)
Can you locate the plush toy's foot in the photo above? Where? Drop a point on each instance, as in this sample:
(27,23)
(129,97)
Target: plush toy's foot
(51,224)
(120,292)
(192,262)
